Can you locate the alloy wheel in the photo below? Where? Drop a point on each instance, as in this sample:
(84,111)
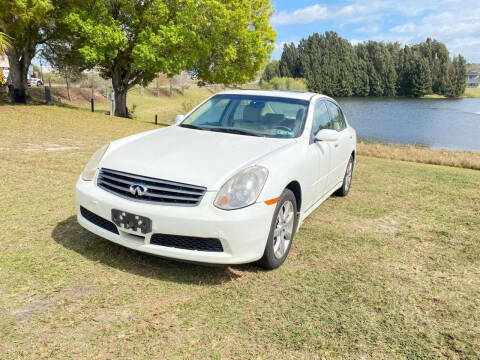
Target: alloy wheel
(282,234)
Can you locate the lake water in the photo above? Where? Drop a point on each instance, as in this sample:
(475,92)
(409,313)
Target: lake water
(452,124)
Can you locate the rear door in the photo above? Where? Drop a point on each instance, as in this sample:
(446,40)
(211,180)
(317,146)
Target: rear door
(342,148)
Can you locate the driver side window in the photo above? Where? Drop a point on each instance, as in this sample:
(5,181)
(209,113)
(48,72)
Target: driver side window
(321,119)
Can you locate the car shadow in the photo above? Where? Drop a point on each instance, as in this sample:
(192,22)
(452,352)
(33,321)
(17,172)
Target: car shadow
(71,235)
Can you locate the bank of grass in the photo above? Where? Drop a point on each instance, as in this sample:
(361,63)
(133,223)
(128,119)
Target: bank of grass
(390,272)
(469,93)
(413,153)
(472,92)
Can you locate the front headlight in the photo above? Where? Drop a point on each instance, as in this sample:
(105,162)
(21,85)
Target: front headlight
(89,172)
(242,189)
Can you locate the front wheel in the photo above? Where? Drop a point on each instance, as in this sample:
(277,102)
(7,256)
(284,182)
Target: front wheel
(347,179)
(282,230)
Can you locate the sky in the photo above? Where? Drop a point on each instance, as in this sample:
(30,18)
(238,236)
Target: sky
(454,22)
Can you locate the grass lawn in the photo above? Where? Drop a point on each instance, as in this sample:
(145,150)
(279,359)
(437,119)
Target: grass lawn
(390,272)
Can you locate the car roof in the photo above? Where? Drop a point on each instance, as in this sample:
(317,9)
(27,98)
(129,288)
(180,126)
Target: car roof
(289,94)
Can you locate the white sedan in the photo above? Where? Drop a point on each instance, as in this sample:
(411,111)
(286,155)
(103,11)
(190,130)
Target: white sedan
(231,182)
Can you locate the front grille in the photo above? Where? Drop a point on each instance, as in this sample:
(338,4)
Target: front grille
(98,220)
(187,242)
(157,191)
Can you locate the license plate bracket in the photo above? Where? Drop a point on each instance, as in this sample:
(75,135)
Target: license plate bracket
(129,221)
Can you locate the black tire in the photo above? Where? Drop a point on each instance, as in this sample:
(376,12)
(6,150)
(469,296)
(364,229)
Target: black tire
(270,260)
(347,180)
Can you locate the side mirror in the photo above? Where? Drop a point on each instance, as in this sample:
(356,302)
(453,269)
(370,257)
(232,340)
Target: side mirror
(179,119)
(327,135)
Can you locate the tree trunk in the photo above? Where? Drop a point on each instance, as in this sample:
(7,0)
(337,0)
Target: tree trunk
(120,103)
(68,88)
(19,64)
(120,87)
(171,87)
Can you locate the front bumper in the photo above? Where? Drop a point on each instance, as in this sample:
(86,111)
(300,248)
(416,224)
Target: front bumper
(243,232)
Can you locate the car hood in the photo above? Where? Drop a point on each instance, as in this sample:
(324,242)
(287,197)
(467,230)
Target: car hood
(196,157)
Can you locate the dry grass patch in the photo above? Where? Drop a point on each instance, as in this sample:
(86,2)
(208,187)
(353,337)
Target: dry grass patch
(462,159)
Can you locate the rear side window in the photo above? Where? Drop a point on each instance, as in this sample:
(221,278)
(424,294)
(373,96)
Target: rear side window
(321,119)
(336,115)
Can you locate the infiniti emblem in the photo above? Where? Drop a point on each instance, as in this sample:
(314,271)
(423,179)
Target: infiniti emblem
(138,190)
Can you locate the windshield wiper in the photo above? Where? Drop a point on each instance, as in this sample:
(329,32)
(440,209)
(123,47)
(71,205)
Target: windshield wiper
(234,131)
(191,126)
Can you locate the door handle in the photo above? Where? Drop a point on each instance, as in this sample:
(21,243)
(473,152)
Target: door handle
(351,136)
(336,145)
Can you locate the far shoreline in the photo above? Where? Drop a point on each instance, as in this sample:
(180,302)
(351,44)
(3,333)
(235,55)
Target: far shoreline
(419,154)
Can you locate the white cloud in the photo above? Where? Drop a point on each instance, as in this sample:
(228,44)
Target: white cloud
(405,28)
(300,16)
(370,29)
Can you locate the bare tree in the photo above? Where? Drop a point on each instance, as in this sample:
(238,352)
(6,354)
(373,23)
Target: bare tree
(180,81)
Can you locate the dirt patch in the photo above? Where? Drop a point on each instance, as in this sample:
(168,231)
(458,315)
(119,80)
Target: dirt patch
(24,313)
(48,147)
(384,226)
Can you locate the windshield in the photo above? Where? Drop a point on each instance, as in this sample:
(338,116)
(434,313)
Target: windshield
(250,115)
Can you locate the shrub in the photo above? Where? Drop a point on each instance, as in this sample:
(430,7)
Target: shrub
(284,83)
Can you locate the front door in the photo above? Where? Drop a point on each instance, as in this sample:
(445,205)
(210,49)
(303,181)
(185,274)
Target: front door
(341,148)
(322,150)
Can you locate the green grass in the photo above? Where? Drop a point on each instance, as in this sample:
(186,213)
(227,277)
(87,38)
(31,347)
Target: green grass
(390,272)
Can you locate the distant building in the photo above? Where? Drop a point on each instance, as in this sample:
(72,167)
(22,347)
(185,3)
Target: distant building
(4,65)
(473,79)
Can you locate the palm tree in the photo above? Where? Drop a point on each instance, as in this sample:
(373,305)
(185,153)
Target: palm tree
(5,42)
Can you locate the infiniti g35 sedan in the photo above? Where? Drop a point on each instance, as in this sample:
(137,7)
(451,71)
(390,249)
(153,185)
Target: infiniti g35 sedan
(231,182)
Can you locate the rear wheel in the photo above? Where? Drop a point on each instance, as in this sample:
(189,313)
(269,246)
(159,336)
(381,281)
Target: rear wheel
(282,230)
(347,179)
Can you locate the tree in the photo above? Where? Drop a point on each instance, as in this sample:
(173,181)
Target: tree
(24,21)
(460,65)
(421,77)
(289,62)
(456,77)
(328,63)
(180,81)
(58,54)
(271,71)
(130,41)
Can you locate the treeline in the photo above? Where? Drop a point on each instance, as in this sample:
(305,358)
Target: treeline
(333,66)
